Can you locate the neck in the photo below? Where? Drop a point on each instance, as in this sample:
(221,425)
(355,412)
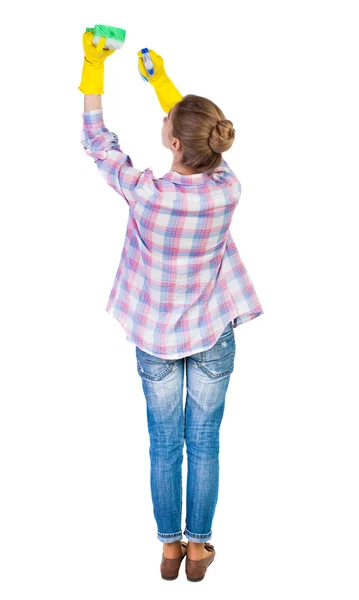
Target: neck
(181,169)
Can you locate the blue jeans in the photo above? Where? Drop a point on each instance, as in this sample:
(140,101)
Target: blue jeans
(207,379)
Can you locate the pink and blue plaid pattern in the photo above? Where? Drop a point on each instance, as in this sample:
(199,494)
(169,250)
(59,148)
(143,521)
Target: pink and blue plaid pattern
(180,280)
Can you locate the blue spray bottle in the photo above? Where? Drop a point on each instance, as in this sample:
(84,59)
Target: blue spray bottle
(147,61)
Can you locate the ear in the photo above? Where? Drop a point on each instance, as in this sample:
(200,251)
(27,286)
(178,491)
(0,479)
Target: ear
(176,144)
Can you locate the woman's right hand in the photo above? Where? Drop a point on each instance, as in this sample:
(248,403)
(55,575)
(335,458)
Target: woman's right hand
(166,92)
(158,64)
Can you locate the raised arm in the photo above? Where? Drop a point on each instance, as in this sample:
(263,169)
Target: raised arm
(101,144)
(92,102)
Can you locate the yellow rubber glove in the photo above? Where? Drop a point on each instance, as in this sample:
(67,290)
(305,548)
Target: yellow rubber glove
(167,94)
(93,71)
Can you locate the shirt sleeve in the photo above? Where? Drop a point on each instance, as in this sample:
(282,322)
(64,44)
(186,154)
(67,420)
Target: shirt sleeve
(115,167)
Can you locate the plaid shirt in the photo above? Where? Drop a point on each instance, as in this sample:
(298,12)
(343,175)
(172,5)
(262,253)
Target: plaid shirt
(180,280)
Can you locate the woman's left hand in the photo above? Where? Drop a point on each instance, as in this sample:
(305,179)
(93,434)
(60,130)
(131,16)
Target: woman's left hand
(95,54)
(93,70)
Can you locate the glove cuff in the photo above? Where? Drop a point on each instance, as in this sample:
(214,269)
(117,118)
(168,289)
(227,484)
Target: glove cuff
(166,92)
(92,81)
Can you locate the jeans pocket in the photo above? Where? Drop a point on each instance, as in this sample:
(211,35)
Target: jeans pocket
(151,367)
(219,360)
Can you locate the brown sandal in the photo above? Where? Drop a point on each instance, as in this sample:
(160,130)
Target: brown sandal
(196,569)
(170,566)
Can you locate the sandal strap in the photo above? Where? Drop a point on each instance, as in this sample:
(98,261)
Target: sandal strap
(208,546)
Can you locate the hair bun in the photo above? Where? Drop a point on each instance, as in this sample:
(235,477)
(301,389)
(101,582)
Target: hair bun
(222,136)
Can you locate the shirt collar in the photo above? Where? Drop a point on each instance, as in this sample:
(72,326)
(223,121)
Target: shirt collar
(194,179)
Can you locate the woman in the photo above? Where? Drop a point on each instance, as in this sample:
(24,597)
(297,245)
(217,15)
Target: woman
(179,292)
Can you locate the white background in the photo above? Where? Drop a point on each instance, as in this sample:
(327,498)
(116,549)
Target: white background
(75,505)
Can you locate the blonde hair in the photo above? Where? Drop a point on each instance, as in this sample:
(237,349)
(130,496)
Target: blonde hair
(204,132)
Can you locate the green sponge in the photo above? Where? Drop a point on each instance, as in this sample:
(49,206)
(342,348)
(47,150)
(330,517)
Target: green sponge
(115,37)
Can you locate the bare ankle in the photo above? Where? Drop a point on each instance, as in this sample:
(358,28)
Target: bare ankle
(195,549)
(195,544)
(173,549)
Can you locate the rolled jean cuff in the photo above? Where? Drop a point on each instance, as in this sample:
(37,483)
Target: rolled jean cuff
(168,538)
(197,537)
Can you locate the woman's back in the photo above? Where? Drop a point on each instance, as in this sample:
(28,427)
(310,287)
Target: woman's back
(180,280)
